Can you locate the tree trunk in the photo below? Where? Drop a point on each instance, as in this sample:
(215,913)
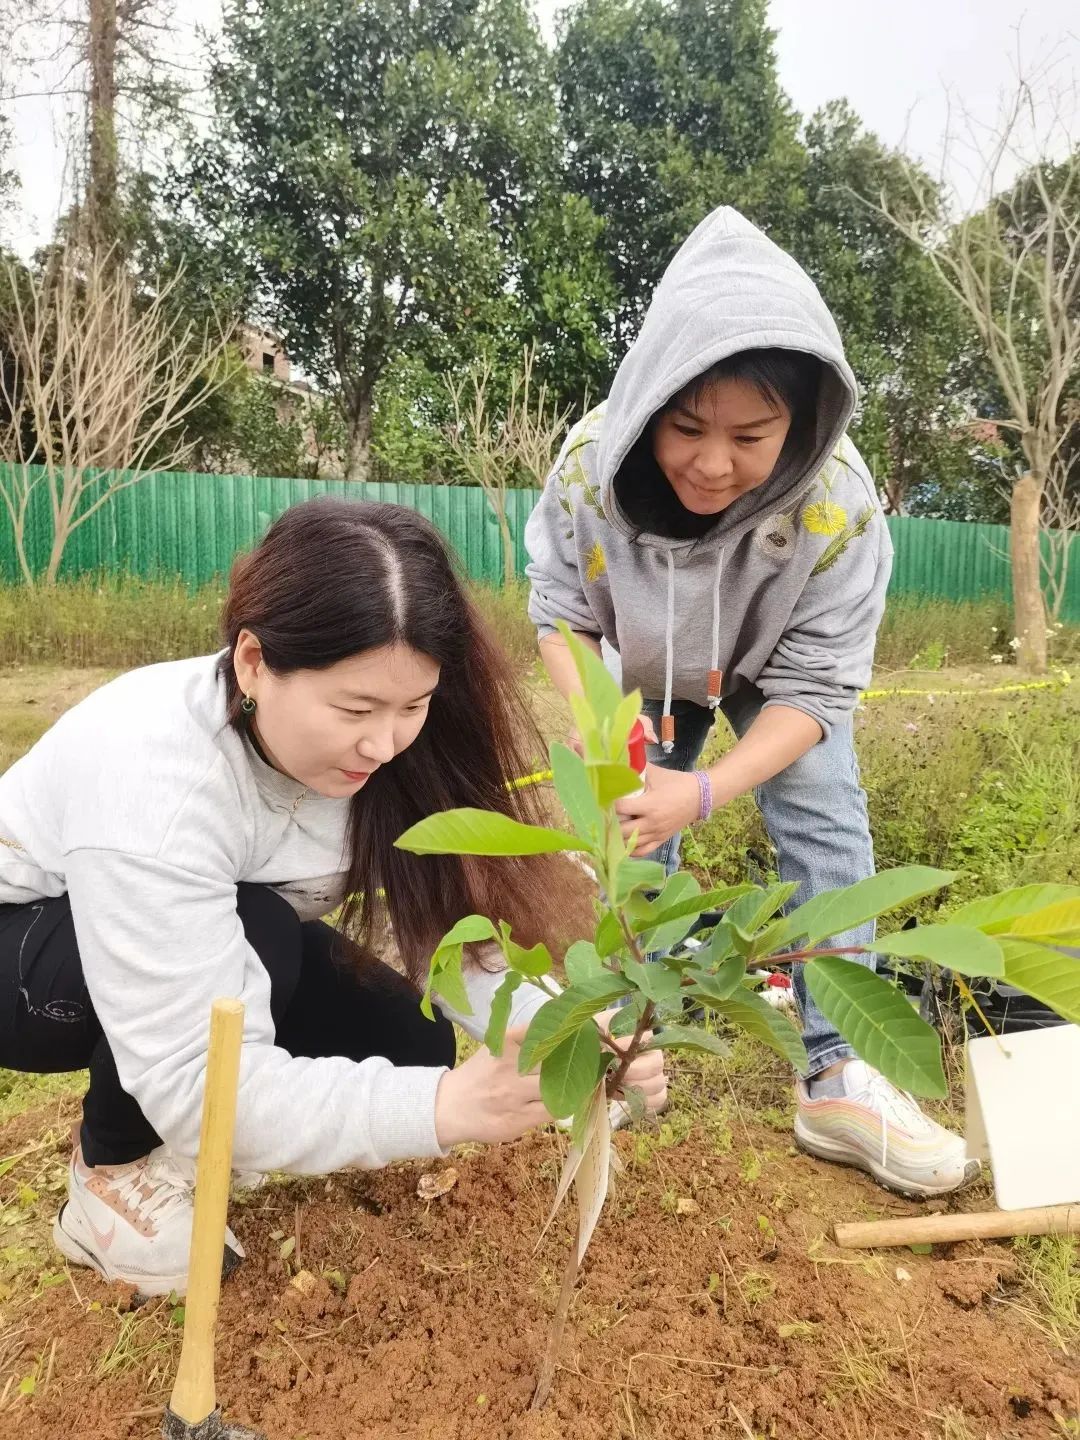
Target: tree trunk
(509,558)
(101,210)
(1029,611)
(358,437)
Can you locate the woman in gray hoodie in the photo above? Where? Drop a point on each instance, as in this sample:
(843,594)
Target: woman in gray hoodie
(715,525)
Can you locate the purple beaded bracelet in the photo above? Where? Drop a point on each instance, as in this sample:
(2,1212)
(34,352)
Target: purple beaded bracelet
(705,790)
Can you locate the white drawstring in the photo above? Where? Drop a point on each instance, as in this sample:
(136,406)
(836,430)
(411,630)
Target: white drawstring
(666,723)
(714,657)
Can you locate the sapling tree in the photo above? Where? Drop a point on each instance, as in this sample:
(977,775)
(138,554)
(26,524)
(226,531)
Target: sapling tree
(642,911)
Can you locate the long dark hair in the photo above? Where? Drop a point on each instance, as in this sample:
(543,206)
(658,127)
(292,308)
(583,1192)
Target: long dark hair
(791,376)
(333,578)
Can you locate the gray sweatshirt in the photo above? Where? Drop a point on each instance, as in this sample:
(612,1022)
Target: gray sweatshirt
(146,808)
(788,587)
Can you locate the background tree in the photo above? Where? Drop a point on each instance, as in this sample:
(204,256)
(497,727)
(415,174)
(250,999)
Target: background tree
(1014,265)
(98,383)
(913,350)
(672,107)
(117,59)
(379,164)
(506,447)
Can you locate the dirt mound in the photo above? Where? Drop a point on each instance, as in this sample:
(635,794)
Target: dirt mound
(424,1320)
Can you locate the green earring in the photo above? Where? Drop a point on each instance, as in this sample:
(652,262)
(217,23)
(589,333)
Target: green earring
(247,705)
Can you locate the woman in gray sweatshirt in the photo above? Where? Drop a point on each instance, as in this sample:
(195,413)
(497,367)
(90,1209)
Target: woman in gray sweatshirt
(714,524)
(181,835)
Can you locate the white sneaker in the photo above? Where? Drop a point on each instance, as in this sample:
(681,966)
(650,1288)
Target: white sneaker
(881,1129)
(133,1222)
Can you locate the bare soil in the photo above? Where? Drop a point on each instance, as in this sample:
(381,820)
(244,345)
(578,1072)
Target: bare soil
(389,1317)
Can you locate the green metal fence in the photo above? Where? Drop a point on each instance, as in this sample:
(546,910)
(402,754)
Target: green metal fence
(193,525)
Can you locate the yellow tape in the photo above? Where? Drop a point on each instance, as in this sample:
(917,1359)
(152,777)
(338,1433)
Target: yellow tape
(1064,678)
(523,780)
(1061,679)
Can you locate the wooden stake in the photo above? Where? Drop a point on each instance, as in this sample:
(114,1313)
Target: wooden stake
(194,1396)
(982,1225)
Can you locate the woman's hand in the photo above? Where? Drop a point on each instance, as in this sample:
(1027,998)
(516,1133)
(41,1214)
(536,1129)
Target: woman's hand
(646,1073)
(574,739)
(486,1099)
(670,801)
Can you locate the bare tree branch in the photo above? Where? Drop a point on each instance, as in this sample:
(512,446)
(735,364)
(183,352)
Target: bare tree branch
(1013,263)
(102,378)
(497,454)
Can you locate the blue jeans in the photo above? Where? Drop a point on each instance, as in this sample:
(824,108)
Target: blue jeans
(815,813)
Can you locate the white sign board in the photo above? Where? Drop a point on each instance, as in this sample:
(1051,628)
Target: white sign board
(1023,1114)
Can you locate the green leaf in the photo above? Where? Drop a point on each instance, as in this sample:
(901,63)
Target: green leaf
(568,1074)
(716,985)
(612,781)
(581,962)
(623,1022)
(469,930)
(1049,975)
(758,1018)
(879,1023)
(601,690)
(720,946)
(609,936)
(573,787)
(482,832)
(834,912)
(667,919)
(445,980)
(959,947)
(768,942)
(533,962)
(444,974)
(1057,924)
(637,874)
(622,722)
(993,915)
(587,727)
(500,1012)
(751,911)
(687,1037)
(560,1017)
(660,984)
(666,910)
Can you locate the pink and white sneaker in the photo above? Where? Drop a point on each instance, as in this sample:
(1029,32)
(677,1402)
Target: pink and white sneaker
(881,1129)
(133,1222)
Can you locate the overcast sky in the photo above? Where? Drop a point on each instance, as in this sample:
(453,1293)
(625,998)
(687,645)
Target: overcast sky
(894,62)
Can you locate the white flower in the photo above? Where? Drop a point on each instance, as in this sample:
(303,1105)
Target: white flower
(1015,642)
(997,659)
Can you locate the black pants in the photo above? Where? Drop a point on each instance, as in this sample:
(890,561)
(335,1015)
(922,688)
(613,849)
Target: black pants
(325,999)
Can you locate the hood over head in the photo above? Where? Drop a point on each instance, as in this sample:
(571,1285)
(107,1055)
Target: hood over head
(728,289)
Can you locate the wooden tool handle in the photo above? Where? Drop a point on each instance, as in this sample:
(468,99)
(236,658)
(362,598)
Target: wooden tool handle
(985,1225)
(193,1396)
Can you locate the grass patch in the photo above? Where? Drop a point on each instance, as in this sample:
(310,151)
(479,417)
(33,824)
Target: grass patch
(19,1092)
(983,784)
(1050,1265)
(929,635)
(117,622)
(120,621)
(504,609)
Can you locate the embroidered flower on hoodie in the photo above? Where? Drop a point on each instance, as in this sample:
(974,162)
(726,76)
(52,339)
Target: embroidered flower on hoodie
(775,537)
(596,562)
(835,548)
(824,517)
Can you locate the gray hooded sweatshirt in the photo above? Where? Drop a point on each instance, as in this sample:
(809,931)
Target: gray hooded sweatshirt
(787,589)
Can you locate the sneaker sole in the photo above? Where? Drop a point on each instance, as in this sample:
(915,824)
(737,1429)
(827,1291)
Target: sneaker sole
(839,1154)
(146,1287)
